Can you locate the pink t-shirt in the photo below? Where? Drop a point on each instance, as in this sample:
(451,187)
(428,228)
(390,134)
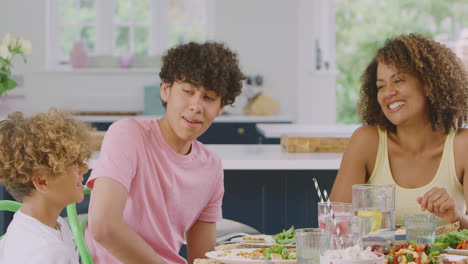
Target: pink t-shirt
(167,192)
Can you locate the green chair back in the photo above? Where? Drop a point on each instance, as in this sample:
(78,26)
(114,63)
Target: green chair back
(10,206)
(78,229)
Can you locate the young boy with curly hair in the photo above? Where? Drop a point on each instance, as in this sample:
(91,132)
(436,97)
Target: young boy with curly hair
(155,184)
(42,166)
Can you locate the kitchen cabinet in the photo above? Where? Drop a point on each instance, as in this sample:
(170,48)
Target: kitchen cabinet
(224,130)
(265,187)
(223,133)
(233,133)
(267,200)
(5,217)
(273,200)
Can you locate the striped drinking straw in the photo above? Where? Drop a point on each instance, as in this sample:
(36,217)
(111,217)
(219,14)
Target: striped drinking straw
(318,189)
(332,214)
(319,193)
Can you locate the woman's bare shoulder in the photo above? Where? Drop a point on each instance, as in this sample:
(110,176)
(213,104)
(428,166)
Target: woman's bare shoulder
(366,133)
(460,150)
(364,142)
(461,141)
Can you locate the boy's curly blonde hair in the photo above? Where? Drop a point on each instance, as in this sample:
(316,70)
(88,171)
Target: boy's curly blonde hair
(48,143)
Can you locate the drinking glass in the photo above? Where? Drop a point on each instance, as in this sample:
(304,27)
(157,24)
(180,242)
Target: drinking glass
(376,201)
(342,211)
(351,233)
(420,228)
(310,243)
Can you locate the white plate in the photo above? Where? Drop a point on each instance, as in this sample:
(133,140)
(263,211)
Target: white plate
(379,260)
(456,251)
(259,243)
(230,260)
(240,239)
(263,244)
(259,238)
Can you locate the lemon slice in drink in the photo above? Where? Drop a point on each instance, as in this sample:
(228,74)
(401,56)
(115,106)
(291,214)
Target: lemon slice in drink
(376,218)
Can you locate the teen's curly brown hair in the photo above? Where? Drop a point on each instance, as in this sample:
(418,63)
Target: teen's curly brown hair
(211,65)
(48,143)
(442,73)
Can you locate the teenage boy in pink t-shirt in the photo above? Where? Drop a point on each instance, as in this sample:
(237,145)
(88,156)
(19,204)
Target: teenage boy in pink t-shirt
(154,183)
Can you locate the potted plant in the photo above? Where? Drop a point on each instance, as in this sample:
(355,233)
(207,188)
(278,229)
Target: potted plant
(9,47)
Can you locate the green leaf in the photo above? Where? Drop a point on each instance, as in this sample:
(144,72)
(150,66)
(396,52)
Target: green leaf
(6,84)
(285,237)
(409,257)
(10,84)
(436,247)
(2,89)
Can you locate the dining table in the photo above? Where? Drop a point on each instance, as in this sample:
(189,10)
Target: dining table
(399,239)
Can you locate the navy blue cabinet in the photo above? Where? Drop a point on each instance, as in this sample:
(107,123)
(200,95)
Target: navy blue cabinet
(268,200)
(223,133)
(273,200)
(5,217)
(231,133)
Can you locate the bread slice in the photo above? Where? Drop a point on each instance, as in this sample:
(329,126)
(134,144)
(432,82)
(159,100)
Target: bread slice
(276,256)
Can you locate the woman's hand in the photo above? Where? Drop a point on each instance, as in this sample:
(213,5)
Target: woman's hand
(439,202)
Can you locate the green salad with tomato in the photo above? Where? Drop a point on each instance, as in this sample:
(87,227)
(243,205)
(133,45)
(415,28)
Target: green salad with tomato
(453,238)
(412,253)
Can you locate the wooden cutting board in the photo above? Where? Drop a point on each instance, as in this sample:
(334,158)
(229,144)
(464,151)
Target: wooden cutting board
(308,144)
(97,141)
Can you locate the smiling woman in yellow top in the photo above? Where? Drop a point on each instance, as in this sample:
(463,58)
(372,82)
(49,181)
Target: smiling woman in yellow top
(414,104)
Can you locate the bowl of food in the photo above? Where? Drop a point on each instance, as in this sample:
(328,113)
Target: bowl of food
(351,255)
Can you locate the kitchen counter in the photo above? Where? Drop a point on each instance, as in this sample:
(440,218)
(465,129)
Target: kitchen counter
(276,130)
(266,157)
(219,119)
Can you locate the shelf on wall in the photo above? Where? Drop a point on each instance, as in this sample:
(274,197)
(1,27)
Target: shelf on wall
(68,69)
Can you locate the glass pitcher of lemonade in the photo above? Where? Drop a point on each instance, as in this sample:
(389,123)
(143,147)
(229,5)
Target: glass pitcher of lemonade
(377,202)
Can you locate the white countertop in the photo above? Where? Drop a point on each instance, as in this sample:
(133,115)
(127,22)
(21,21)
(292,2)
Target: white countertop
(267,157)
(337,130)
(276,130)
(220,119)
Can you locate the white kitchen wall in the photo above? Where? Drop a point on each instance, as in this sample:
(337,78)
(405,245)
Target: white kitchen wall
(265,33)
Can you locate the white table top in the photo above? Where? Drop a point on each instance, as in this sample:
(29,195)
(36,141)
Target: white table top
(276,130)
(267,157)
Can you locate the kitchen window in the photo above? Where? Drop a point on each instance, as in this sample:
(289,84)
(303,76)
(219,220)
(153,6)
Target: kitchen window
(362,26)
(111,28)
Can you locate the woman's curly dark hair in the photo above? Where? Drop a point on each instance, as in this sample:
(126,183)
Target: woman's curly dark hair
(211,65)
(48,143)
(437,67)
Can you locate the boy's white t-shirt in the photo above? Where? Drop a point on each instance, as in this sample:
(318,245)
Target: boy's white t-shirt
(29,241)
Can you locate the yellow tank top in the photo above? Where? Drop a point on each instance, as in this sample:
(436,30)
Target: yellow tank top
(405,200)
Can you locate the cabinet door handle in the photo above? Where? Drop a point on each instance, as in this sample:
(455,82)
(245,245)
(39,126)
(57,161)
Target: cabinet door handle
(240,131)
